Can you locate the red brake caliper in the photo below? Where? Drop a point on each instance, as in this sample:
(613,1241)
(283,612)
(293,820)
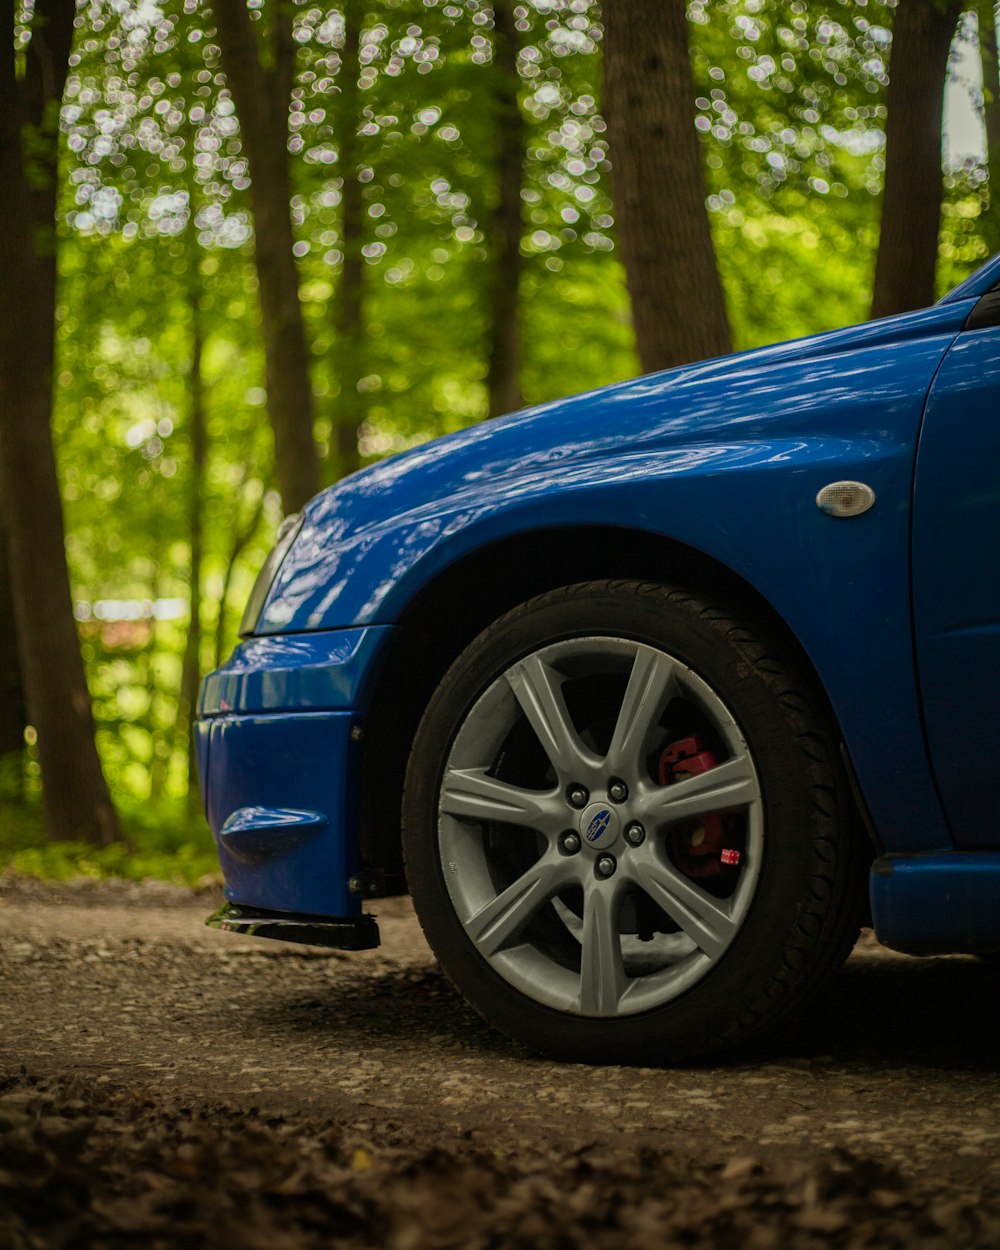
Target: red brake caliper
(699,845)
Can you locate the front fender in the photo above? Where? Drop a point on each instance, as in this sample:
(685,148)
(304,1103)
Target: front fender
(841,586)
(726,459)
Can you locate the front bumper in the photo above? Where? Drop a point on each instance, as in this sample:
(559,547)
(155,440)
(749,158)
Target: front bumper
(277,743)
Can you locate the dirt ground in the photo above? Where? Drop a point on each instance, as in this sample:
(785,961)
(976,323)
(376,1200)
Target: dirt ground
(167,1085)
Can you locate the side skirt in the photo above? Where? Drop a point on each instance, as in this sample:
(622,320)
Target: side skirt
(945,902)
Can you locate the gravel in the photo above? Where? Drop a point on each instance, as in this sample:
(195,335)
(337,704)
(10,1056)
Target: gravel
(163,1084)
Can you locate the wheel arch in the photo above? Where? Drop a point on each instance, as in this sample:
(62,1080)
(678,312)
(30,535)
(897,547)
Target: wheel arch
(462,599)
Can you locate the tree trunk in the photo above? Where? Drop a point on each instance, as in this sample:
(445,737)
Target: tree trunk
(261,86)
(161,699)
(191,667)
(76,798)
(922,32)
(504,370)
(990,219)
(13,714)
(659,185)
(348,310)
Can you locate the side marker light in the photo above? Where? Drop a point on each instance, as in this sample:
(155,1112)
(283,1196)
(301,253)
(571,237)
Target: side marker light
(845,499)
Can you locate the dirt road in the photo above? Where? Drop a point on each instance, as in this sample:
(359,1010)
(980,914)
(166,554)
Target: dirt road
(164,1084)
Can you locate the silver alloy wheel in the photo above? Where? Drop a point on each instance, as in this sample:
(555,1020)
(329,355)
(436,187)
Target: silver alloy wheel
(548,889)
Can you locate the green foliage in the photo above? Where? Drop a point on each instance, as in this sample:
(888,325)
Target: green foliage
(160,842)
(791,110)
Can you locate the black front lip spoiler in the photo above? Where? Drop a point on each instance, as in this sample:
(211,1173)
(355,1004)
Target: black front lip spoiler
(345,935)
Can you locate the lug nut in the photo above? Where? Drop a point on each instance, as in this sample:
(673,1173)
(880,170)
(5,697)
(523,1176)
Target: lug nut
(606,865)
(570,843)
(635,835)
(617,791)
(577,796)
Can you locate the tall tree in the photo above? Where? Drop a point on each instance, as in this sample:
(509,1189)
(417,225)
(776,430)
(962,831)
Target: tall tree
(990,221)
(922,32)
(348,307)
(258,57)
(658,185)
(76,798)
(13,714)
(198,436)
(503,375)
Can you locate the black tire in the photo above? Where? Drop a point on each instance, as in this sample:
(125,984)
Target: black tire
(803,914)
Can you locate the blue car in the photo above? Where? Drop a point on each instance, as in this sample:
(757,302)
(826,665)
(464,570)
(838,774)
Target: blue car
(649,697)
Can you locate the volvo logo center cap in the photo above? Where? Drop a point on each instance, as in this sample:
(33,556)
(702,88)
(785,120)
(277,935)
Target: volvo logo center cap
(600,826)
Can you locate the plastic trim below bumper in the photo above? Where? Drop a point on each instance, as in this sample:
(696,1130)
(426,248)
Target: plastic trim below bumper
(346,935)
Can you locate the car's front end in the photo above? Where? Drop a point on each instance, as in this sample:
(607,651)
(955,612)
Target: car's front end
(710,477)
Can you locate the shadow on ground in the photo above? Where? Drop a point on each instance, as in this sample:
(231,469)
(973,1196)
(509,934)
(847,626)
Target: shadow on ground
(881,1010)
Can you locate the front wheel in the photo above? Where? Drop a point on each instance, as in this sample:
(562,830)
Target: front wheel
(625,828)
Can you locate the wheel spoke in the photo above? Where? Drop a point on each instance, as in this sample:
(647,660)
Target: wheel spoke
(502,919)
(602,972)
(731,784)
(537,688)
(471,793)
(653,675)
(704,919)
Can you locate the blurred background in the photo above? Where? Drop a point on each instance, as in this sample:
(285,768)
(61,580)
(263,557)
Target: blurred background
(254,245)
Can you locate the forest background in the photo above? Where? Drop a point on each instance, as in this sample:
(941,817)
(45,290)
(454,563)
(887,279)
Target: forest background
(252,245)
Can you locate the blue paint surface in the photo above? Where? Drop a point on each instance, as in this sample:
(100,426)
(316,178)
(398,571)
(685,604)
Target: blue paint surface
(256,835)
(301,864)
(313,671)
(933,904)
(956,540)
